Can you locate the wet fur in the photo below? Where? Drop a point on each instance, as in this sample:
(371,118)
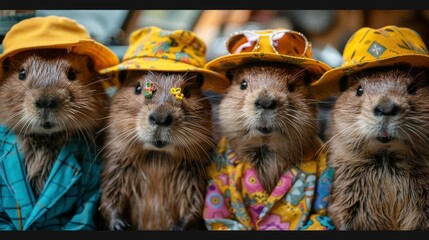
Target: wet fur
(81,106)
(293,120)
(381,186)
(149,188)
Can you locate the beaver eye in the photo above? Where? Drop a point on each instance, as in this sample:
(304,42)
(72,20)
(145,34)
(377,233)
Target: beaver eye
(243,85)
(138,89)
(412,88)
(186,92)
(22,75)
(71,75)
(359,91)
(291,87)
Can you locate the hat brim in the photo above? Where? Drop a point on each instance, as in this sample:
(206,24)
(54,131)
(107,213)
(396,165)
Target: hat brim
(224,63)
(213,81)
(328,85)
(101,56)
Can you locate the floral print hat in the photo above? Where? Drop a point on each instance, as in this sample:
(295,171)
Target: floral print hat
(369,48)
(155,49)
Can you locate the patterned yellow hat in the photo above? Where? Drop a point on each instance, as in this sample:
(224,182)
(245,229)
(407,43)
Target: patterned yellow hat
(56,32)
(370,48)
(269,45)
(156,49)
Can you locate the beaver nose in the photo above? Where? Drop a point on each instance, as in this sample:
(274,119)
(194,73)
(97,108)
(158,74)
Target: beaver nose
(387,109)
(160,119)
(266,103)
(47,103)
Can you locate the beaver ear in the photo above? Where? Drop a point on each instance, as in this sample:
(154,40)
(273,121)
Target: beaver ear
(229,75)
(344,84)
(6,64)
(90,64)
(200,79)
(122,75)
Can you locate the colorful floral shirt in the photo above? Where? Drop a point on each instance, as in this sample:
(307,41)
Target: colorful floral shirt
(236,200)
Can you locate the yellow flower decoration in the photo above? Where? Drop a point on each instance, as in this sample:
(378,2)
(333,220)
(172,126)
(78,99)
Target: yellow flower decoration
(177,92)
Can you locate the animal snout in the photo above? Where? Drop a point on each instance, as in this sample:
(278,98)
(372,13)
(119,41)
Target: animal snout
(386,109)
(49,102)
(266,102)
(161,119)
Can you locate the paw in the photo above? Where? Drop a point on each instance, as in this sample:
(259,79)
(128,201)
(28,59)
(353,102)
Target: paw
(119,225)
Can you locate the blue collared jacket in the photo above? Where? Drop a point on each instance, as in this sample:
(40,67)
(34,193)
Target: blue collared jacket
(69,199)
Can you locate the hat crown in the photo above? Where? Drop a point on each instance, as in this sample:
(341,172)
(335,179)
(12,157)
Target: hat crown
(44,29)
(368,44)
(178,45)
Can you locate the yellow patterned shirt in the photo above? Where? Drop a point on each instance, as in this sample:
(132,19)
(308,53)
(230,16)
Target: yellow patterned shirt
(236,200)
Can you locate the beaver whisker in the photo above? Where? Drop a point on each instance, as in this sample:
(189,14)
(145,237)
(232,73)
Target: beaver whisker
(197,132)
(191,130)
(326,146)
(13,118)
(25,126)
(416,132)
(125,135)
(130,147)
(119,136)
(83,132)
(107,126)
(95,82)
(196,135)
(190,152)
(25,118)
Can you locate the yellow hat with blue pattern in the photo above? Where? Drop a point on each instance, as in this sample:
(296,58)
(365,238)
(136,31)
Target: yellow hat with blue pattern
(371,48)
(155,49)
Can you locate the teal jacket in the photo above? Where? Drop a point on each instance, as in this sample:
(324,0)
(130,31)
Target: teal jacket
(69,199)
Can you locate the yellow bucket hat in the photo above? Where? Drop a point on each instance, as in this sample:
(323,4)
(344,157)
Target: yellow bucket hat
(56,32)
(155,49)
(369,48)
(270,45)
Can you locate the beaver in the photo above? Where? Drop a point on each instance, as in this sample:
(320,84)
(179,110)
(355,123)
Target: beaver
(268,116)
(378,147)
(52,105)
(269,172)
(156,153)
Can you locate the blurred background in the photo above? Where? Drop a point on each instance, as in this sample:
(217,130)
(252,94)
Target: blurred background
(327,30)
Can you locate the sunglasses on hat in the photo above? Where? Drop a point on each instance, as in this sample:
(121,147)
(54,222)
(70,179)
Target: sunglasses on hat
(285,42)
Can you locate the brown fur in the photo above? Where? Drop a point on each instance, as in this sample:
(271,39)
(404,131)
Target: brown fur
(80,106)
(381,186)
(292,121)
(150,188)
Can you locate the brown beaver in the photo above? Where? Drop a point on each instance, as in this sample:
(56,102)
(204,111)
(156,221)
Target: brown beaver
(378,146)
(269,117)
(156,153)
(47,97)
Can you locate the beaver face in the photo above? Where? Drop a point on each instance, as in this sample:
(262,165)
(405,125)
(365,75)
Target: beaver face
(266,103)
(269,118)
(175,123)
(383,109)
(49,91)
